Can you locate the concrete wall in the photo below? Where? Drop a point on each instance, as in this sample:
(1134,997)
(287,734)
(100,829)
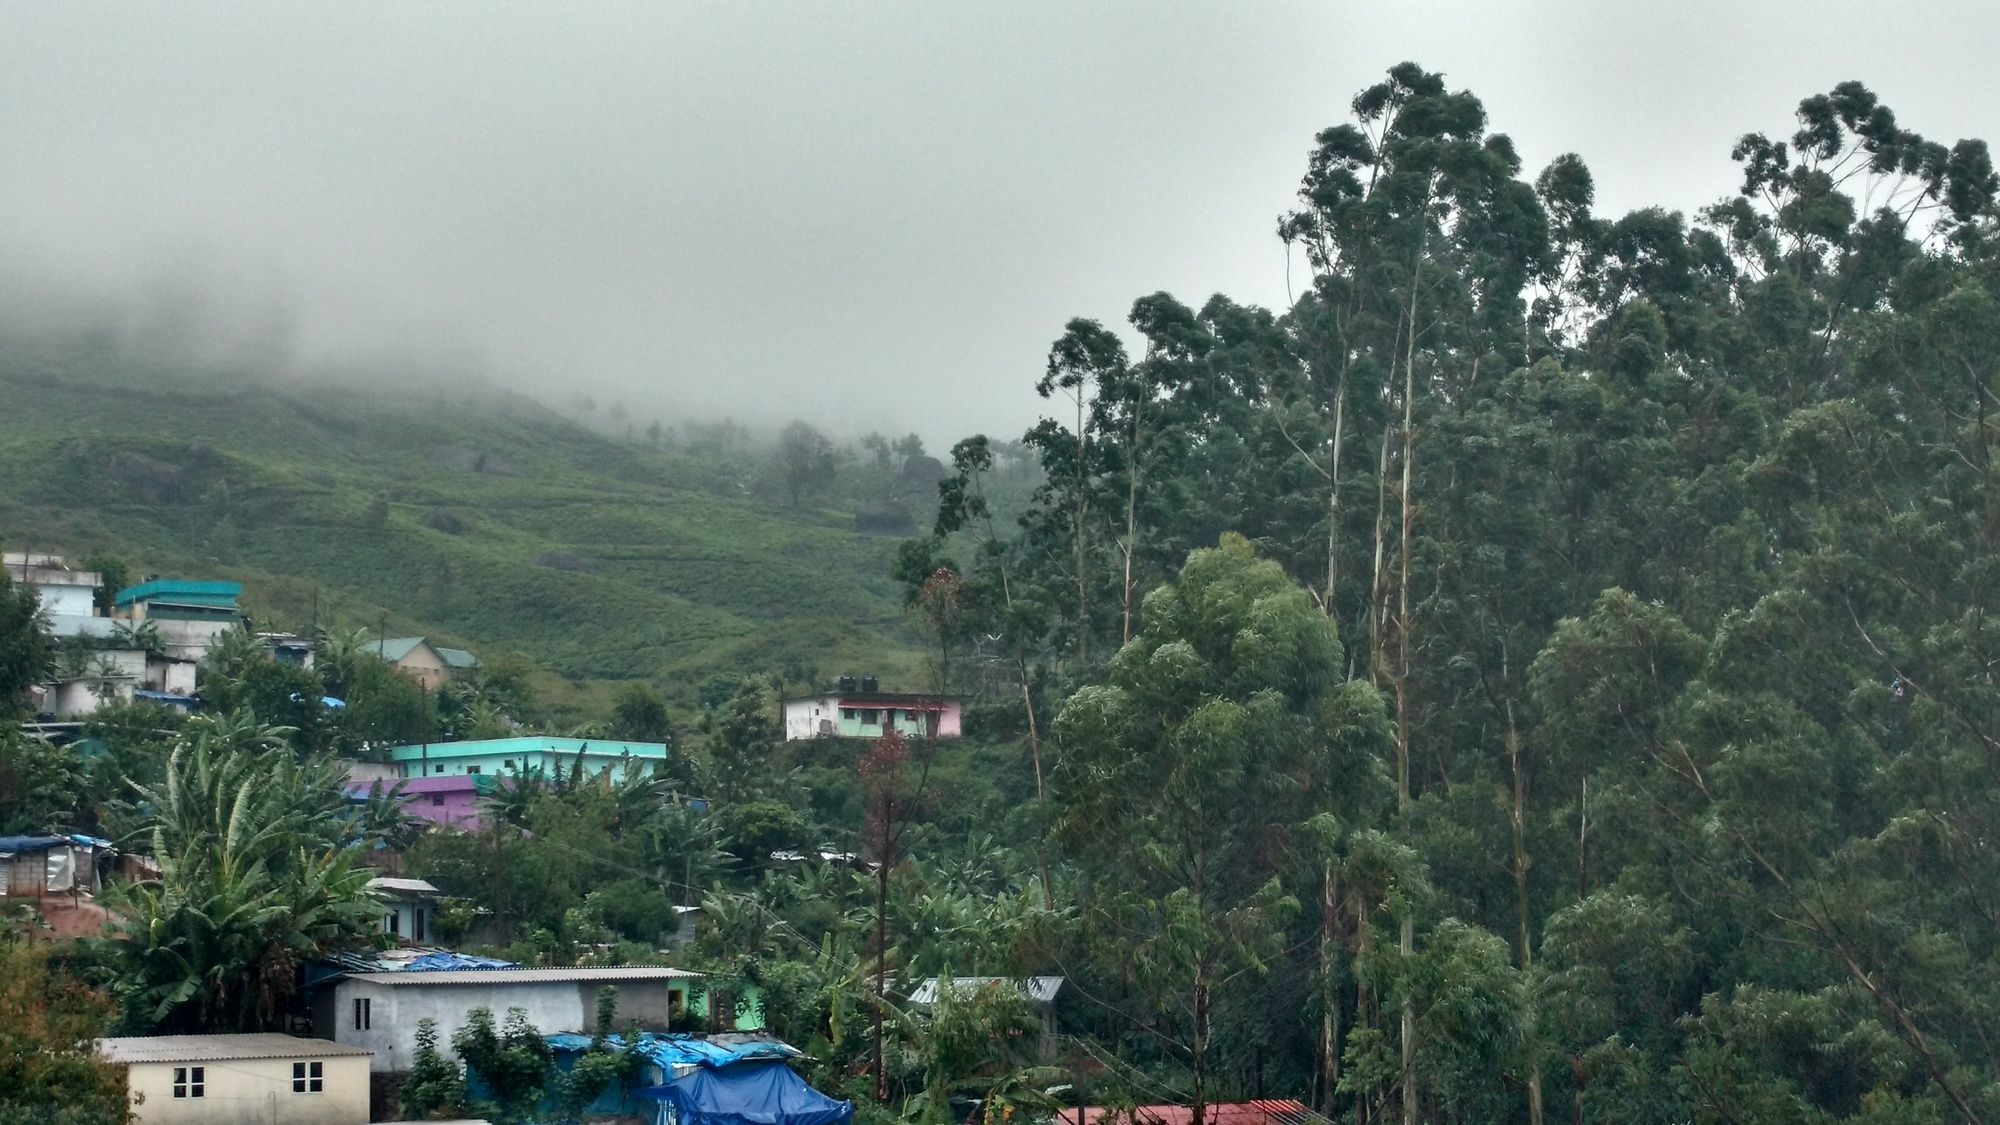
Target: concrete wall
(805,718)
(450,801)
(552,1006)
(423,664)
(82,625)
(412,921)
(190,640)
(175,677)
(253,1092)
(65,598)
(74,699)
(503,763)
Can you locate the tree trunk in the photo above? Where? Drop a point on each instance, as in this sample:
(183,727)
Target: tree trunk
(1082,486)
(1364,1001)
(1035,752)
(1524,937)
(1407,942)
(881,972)
(1131,523)
(1329,989)
(1333,497)
(1197,1113)
(1131,543)
(1378,585)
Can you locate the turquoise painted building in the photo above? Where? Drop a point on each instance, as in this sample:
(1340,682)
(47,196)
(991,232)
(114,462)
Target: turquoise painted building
(178,599)
(500,757)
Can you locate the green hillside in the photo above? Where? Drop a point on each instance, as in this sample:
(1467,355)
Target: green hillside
(473,515)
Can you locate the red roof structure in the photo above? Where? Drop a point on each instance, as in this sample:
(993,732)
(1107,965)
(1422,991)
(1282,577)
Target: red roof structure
(1281,1111)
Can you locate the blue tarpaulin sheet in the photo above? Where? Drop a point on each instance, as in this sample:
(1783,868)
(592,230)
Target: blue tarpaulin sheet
(447,960)
(670,1051)
(760,1093)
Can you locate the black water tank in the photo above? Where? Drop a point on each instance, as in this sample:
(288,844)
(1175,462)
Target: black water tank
(870,683)
(847,683)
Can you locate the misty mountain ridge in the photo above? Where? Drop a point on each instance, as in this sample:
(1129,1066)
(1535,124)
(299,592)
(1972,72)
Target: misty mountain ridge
(450,508)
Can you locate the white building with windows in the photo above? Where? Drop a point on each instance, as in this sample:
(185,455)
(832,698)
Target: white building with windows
(241,1079)
(379,1012)
(412,908)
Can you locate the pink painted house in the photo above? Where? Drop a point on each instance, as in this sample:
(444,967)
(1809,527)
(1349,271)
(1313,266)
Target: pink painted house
(450,800)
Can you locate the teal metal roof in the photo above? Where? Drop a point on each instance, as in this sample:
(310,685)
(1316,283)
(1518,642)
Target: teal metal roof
(592,748)
(184,592)
(395,648)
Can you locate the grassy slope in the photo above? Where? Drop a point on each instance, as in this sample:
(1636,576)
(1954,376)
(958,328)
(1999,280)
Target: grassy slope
(275,485)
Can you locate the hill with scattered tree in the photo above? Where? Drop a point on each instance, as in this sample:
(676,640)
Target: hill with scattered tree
(671,556)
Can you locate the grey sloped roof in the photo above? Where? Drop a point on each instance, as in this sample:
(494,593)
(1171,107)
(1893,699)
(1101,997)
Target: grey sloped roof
(402,886)
(1040,990)
(605,975)
(201,1048)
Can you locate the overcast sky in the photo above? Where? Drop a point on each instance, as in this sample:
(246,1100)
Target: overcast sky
(869,215)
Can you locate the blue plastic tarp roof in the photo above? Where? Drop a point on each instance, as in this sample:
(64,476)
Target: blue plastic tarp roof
(670,1051)
(31,843)
(448,960)
(765,1093)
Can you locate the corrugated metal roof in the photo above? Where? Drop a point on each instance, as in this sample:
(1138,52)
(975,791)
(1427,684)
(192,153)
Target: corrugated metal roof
(457,657)
(198,1048)
(182,591)
(1267,1112)
(609,975)
(393,649)
(1041,990)
(591,748)
(408,886)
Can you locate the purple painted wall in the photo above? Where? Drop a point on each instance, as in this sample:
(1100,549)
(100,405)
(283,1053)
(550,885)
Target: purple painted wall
(447,800)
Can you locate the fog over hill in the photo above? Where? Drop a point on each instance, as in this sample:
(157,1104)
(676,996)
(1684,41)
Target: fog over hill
(873,216)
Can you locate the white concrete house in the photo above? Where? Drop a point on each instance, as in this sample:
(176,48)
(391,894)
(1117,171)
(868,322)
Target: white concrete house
(63,592)
(410,914)
(241,1079)
(379,1012)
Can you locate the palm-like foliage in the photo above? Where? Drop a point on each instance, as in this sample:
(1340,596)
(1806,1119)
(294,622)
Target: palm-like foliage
(229,657)
(339,653)
(258,874)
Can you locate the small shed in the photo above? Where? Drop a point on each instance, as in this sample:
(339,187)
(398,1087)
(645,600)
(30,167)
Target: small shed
(39,866)
(241,1078)
(1040,992)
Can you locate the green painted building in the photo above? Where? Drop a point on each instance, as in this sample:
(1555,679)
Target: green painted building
(500,757)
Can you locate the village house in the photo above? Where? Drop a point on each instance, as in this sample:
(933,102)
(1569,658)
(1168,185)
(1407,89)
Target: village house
(106,661)
(188,616)
(442,782)
(448,800)
(859,709)
(289,648)
(68,597)
(39,866)
(1039,992)
(379,1011)
(431,665)
(502,757)
(412,909)
(241,1079)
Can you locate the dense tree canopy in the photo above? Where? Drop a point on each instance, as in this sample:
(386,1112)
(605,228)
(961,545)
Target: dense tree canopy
(1664,547)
